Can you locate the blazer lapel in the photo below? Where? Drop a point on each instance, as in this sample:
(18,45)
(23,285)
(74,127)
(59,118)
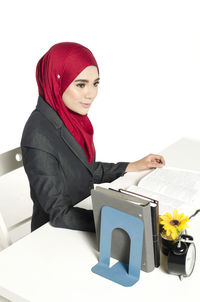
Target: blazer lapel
(75,147)
(53,117)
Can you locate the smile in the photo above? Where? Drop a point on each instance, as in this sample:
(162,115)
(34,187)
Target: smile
(85,105)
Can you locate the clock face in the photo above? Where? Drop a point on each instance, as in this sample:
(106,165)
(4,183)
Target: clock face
(190,259)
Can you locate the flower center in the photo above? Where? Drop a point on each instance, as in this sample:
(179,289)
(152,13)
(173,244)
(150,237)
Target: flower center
(174,222)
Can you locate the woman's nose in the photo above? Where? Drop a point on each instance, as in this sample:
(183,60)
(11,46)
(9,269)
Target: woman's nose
(91,93)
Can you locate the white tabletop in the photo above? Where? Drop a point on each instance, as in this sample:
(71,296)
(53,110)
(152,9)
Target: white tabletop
(53,264)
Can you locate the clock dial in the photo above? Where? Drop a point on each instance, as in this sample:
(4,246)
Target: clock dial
(190,259)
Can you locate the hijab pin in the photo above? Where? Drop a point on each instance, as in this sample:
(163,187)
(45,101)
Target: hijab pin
(58,76)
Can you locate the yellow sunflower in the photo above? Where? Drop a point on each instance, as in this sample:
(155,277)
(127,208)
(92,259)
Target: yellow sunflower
(174,225)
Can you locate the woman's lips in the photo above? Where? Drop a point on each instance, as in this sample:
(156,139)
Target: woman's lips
(85,105)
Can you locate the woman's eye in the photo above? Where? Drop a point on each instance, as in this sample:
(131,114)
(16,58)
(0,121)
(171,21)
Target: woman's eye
(80,85)
(96,84)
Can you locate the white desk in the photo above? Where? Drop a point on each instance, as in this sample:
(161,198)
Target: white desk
(54,265)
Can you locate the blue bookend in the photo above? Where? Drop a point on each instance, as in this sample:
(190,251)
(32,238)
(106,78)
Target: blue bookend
(122,273)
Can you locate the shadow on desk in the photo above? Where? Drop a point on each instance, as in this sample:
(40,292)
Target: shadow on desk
(92,241)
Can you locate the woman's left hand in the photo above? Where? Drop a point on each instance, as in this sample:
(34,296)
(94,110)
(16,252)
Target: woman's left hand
(148,162)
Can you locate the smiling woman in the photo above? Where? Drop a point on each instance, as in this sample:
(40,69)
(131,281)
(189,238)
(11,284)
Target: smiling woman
(57,141)
(80,94)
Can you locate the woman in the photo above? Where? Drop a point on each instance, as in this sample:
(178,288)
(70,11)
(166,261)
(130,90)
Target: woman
(57,141)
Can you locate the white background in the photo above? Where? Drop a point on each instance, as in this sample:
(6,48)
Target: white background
(149,58)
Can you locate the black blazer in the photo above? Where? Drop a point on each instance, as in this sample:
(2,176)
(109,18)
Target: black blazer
(58,171)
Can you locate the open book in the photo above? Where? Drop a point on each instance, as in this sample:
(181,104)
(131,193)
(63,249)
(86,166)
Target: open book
(174,188)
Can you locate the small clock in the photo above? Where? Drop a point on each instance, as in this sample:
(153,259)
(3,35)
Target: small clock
(181,259)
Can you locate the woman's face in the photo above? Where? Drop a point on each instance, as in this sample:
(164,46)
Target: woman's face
(80,94)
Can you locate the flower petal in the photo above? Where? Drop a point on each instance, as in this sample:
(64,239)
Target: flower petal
(175,214)
(174,234)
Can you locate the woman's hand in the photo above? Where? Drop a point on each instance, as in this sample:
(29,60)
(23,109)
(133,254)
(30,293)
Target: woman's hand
(148,162)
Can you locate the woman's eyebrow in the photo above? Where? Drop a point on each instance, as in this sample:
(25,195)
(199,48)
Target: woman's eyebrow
(85,81)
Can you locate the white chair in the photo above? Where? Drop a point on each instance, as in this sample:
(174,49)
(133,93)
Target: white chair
(2,299)
(15,201)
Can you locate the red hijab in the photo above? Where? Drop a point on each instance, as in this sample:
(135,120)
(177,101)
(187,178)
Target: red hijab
(55,71)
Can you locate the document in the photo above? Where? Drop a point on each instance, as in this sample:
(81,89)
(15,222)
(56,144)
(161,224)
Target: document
(173,187)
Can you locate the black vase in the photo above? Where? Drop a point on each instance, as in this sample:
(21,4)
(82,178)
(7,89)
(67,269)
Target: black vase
(167,245)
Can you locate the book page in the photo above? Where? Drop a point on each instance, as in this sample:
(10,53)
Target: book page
(180,184)
(166,204)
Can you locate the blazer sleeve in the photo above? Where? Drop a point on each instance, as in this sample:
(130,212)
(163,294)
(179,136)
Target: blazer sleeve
(44,176)
(107,172)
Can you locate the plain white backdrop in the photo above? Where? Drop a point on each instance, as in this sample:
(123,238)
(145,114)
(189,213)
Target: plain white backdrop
(149,58)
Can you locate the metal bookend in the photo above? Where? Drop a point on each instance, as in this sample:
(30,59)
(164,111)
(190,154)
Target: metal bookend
(122,273)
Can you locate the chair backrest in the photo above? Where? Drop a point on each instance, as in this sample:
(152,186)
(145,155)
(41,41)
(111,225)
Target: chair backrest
(10,161)
(15,201)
